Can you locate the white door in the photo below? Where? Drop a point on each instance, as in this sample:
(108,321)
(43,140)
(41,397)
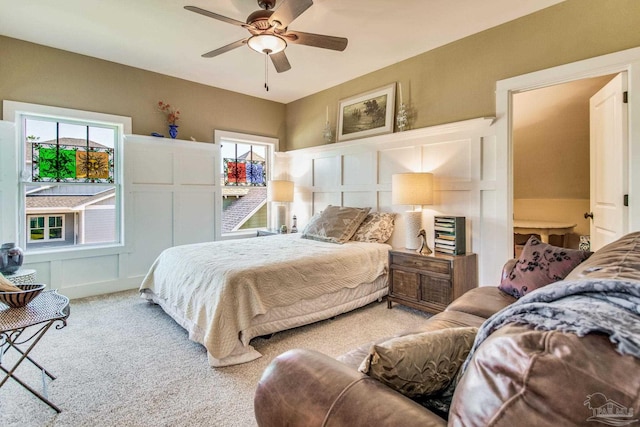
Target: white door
(609,182)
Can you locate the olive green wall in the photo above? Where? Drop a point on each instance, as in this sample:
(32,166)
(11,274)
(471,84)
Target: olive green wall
(457,81)
(41,75)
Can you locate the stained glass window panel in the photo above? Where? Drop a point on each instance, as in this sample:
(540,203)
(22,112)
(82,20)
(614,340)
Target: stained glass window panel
(92,164)
(256,173)
(235,172)
(244,172)
(69,163)
(54,163)
(69,152)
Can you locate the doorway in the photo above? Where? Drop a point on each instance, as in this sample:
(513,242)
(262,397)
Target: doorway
(551,159)
(498,245)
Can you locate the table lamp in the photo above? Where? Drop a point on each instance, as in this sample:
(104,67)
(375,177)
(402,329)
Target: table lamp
(280,191)
(414,189)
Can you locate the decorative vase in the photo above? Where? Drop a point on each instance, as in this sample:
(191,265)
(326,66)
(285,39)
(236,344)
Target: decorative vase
(173,131)
(11,258)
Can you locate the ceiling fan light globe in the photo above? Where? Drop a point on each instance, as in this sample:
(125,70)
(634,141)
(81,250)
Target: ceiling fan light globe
(267,43)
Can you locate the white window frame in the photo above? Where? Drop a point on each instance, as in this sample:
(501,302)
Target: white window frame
(221,137)
(16,112)
(46,227)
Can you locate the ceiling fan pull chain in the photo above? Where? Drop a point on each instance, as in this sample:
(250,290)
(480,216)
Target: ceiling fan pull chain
(266,71)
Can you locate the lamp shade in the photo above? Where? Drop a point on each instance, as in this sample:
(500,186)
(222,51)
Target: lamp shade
(280,191)
(267,43)
(412,188)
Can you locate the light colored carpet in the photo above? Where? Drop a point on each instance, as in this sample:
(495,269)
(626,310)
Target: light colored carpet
(123,362)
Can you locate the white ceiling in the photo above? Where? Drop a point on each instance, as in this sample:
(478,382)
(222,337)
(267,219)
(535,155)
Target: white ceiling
(161,36)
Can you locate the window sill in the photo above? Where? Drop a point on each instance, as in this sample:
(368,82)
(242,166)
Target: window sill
(239,234)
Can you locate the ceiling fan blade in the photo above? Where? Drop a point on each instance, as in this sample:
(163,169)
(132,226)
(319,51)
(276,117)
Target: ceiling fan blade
(215,16)
(288,11)
(316,40)
(223,49)
(280,61)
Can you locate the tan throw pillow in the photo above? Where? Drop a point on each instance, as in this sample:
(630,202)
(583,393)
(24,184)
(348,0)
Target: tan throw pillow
(376,227)
(419,365)
(335,224)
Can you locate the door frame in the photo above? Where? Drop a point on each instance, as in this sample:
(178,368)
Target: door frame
(626,60)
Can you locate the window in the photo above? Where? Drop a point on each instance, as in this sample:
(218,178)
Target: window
(70,184)
(244,192)
(244,168)
(50,227)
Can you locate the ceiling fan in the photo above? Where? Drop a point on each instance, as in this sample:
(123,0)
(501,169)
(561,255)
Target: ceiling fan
(270,33)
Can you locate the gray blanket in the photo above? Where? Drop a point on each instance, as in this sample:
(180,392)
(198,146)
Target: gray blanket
(581,306)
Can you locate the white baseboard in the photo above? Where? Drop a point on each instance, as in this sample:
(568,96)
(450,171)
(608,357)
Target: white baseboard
(93,289)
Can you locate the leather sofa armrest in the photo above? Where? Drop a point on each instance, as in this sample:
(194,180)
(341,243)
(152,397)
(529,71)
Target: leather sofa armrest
(546,378)
(484,302)
(307,388)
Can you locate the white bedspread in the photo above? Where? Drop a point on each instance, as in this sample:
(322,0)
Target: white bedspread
(218,287)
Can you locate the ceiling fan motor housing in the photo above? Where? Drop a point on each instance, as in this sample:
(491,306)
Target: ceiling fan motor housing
(266,4)
(260,19)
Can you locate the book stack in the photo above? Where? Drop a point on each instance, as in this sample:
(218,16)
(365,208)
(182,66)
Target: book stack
(450,235)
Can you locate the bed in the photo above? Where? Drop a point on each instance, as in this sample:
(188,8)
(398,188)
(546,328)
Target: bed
(225,293)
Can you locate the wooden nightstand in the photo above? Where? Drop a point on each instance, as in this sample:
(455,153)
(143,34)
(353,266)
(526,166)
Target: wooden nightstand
(429,282)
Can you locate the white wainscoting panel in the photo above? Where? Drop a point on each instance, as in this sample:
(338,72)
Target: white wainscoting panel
(326,171)
(358,169)
(82,271)
(194,167)
(194,216)
(175,206)
(461,155)
(450,161)
(8,187)
(152,166)
(359,199)
(489,158)
(151,231)
(321,200)
(397,160)
(490,230)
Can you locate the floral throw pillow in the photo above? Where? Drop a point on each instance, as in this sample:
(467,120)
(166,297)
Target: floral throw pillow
(376,228)
(540,264)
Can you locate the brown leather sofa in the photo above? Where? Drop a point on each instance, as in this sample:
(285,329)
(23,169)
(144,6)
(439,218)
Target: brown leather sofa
(518,376)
